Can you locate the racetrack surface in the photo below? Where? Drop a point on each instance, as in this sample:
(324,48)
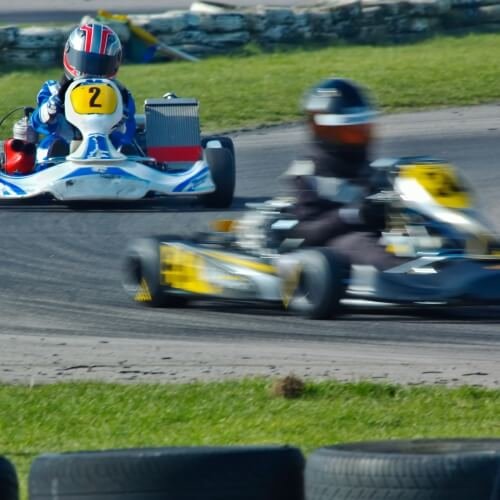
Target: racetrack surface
(64,315)
(35,11)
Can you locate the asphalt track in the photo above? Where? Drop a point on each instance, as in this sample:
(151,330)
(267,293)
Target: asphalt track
(64,316)
(36,11)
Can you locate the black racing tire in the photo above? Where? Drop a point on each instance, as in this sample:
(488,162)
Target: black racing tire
(226,142)
(435,469)
(184,473)
(9,485)
(141,275)
(321,284)
(223,170)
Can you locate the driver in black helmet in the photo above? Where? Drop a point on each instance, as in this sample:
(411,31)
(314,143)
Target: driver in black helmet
(333,181)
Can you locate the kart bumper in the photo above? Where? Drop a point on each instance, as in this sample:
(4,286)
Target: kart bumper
(107,181)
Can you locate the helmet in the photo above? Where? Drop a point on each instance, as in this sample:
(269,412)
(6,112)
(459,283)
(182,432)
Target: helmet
(340,115)
(92,49)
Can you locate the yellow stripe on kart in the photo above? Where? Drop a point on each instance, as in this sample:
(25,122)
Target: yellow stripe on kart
(143,294)
(240,261)
(441,182)
(184,270)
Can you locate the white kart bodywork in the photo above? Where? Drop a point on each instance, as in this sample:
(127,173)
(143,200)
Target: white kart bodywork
(96,170)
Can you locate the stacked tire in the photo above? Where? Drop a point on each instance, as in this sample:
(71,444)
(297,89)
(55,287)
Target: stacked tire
(9,486)
(441,469)
(175,473)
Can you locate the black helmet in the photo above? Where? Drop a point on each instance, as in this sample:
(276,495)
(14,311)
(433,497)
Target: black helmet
(339,115)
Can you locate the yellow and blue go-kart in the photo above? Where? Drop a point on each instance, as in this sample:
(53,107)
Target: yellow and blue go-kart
(169,157)
(451,255)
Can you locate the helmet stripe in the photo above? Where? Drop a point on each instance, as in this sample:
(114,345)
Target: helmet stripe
(106,32)
(87,29)
(331,120)
(96,38)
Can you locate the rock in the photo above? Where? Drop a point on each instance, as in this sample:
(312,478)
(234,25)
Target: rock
(169,22)
(229,40)
(223,23)
(8,36)
(36,37)
(31,57)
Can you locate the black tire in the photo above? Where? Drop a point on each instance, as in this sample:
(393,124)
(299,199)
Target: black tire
(141,275)
(223,170)
(226,143)
(9,485)
(319,286)
(211,473)
(441,469)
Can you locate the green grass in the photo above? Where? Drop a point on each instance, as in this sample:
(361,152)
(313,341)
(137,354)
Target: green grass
(265,88)
(65,417)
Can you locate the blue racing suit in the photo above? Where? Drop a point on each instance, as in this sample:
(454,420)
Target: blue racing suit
(54,126)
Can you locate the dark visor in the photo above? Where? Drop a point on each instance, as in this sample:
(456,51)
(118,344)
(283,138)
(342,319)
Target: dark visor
(92,64)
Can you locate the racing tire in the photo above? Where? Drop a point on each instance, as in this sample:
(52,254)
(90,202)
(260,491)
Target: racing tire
(141,275)
(439,469)
(319,285)
(175,473)
(9,485)
(225,142)
(223,171)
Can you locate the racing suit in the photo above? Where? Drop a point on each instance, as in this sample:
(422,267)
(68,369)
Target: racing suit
(56,129)
(332,210)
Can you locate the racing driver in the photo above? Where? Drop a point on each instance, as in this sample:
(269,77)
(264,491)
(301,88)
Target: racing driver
(333,181)
(92,50)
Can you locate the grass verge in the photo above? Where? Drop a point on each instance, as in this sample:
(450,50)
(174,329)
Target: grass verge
(69,417)
(265,88)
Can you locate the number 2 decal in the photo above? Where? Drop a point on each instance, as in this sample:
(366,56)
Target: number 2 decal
(94,99)
(95,91)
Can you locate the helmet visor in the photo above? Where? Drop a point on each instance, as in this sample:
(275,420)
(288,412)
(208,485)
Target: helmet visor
(92,64)
(349,135)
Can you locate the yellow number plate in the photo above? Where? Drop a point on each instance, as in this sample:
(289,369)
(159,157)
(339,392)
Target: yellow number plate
(441,182)
(94,98)
(184,270)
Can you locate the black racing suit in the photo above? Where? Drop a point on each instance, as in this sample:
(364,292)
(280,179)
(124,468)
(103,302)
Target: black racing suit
(331,208)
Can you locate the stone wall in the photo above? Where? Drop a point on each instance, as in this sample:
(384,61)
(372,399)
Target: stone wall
(203,31)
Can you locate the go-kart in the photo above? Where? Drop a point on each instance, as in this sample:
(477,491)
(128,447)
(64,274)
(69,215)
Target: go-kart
(168,157)
(449,253)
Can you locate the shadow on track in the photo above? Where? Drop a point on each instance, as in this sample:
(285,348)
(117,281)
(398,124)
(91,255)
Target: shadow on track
(464,315)
(153,205)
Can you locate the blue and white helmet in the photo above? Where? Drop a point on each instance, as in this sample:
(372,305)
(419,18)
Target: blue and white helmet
(92,49)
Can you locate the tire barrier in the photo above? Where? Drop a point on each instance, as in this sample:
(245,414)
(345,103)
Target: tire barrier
(9,486)
(173,473)
(439,469)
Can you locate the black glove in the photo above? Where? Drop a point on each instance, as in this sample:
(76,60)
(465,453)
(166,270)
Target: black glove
(373,214)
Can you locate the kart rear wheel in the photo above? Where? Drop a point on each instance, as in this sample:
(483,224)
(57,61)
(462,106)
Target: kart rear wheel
(223,171)
(141,275)
(314,283)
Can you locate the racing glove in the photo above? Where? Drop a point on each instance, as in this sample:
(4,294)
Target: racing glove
(370,215)
(373,214)
(50,108)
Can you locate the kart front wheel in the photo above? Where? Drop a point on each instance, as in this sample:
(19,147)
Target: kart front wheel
(221,141)
(223,171)
(142,275)
(313,282)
